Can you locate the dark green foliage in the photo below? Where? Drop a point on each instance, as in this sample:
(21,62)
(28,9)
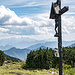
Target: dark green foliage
(45,58)
(69,55)
(41,59)
(2,58)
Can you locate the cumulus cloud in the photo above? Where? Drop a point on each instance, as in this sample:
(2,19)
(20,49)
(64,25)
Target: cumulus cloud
(8,17)
(68,24)
(25,25)
(4,30)
(38,25)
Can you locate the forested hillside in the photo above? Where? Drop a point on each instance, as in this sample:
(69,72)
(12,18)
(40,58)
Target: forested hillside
(69,55)
(45,58)
(44,61)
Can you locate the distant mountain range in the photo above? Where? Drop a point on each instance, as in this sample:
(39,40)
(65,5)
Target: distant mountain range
(46,44)
(26,42)
(18,53)
(72,45)
(22,53)
(5,47)
(7,57)
(19,42)
(31,44)
(52,44)
(67,43)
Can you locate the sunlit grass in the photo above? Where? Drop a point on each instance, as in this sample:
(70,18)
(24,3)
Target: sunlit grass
(14,68)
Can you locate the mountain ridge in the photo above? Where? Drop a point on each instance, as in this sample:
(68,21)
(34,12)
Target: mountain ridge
(72,45)
(5,47)
(22,53)
(18,53)
(7,57)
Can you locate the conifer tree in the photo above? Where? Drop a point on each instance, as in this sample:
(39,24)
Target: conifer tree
(2,57)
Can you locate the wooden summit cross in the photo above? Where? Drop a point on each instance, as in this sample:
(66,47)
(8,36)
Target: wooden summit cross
(56,13)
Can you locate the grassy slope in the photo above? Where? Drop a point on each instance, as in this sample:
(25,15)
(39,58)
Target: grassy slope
(14,68)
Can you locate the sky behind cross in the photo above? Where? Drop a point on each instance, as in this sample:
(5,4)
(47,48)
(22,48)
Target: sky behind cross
(30,18)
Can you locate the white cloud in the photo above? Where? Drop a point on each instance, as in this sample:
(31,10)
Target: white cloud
(30,3)
(71,13)
(8,17)
(68,24)
(4,30)
(39,25)
(33,4)
(44,30)
(24,3)
(65,30)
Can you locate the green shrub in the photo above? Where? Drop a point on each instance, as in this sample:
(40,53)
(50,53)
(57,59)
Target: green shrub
(70,71)
(69,55)
(2,57)
(65,66)
(41,59)
(9,61)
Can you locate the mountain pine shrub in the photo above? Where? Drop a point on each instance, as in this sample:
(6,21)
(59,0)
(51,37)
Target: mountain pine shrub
(41,59)
(2,57)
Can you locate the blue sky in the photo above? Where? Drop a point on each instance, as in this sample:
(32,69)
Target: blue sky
(30,18)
